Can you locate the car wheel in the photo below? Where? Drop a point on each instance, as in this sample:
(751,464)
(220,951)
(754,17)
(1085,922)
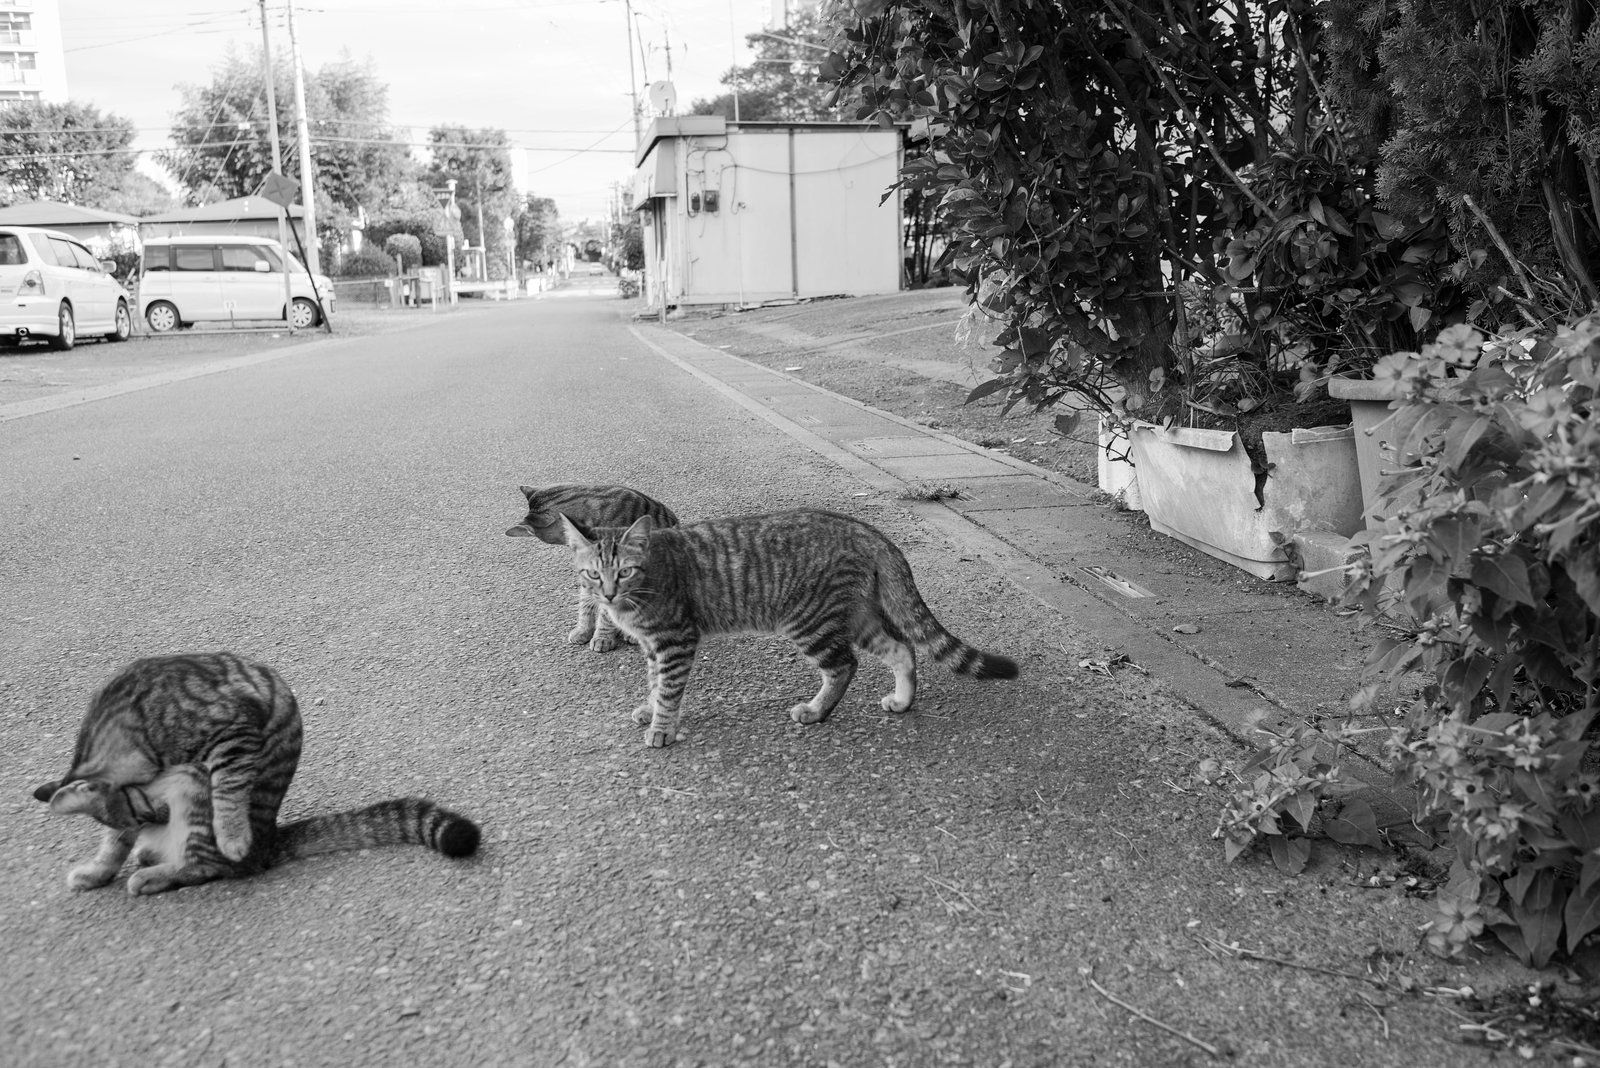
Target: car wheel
(124,324)
(161,316)
(303,314)
(67,333)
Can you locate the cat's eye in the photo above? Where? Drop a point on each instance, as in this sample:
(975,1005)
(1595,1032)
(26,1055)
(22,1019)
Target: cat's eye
(625,572)
(591,574)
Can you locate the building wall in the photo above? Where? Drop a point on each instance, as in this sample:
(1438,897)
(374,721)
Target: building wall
(797,215)
(33,66)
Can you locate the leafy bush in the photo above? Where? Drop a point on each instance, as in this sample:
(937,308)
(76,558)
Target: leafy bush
(405,248)
(370,262)
(1493,555)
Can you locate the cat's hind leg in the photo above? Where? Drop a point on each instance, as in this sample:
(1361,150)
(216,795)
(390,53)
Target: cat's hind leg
(836,662)
(107,861)
(159,878)
(901,659)
(233,762)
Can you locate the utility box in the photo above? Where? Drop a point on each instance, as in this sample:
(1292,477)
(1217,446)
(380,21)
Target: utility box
(755,212)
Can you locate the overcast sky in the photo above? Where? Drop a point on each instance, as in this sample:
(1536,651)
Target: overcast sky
(552,73)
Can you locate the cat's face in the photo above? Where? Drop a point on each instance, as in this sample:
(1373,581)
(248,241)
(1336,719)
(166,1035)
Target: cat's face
(118,807)
(611,564)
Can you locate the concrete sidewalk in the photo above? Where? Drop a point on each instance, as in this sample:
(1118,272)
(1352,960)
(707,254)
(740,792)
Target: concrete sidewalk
(1260,652)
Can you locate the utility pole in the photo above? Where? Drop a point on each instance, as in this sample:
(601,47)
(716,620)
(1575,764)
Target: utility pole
(633,85)
(308,200)
(272,130)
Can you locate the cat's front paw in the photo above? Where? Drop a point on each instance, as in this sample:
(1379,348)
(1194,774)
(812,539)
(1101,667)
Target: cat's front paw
(890,703)
(89,876)
(805,715)
(661,737)
(580,635)
(642,715)
(603,643)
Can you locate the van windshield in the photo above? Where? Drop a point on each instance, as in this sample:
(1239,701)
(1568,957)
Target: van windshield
(295,266)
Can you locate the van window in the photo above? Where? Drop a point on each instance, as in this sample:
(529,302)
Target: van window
(242,258)
(158,257)
(193,258)
(84,257)
(63,251)
(11,251)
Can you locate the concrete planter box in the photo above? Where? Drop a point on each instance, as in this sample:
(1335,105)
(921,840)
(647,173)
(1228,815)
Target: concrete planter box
(1370,415)
(1197,486)
(1117,475)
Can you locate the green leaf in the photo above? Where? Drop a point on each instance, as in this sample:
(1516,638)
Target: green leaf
(1302,807)
(1540,922)
(983,389)
(1506,575)
(1356,824)
(1585,576)
(1290,854)
(1582,916)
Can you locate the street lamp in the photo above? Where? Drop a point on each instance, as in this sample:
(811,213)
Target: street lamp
(448,213)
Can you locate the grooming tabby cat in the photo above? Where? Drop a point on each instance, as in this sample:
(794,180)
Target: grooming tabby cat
(829,583)
(590,507)
(175,845)
(234,717)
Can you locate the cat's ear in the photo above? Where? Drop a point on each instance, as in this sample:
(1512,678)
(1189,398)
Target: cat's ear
(577,537)
(528,492)
(638,535)
(82,796)
(46,792)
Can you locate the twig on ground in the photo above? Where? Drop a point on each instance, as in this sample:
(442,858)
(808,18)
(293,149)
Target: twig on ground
(1239,952)
(954,889)
(1131,846)
(1147,1018)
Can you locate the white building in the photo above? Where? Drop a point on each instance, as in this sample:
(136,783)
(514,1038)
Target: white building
(746,213)
(32,64)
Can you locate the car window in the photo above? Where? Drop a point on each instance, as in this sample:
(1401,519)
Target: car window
(11,251)
(41,246)
(242,258)
(158,257)
(85,258)
(63,250)
(192,258)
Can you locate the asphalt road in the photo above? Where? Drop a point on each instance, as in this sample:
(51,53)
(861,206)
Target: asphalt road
(937,888)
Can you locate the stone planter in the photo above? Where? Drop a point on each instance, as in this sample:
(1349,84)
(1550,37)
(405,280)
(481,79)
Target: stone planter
(1197,486)
(1117,475)
(1369,414)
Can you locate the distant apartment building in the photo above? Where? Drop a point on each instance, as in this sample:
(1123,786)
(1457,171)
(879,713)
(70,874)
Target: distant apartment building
(784,11)
(32,64)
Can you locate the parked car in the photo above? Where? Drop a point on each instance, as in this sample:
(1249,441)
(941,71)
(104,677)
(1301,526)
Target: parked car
(52,287)
(226,278)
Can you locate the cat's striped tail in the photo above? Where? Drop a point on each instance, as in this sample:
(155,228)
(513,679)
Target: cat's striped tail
(902,603)
(402,821)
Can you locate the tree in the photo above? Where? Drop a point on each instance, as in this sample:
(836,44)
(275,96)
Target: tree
(538,230)
(479,160)
(70,152)
(1099,166)
(139,194)
(1490,116)
(781,85)
(222,147)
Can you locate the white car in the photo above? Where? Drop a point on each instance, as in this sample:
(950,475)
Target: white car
(52,287)
(227,278)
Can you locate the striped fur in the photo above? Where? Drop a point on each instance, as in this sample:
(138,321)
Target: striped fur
(590,507)
(236,717)
(829,583)
(230,719)
(175,846)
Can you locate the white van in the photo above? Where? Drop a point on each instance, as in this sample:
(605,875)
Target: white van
(226,277)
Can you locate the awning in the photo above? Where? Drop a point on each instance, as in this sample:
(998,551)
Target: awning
(657,176)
